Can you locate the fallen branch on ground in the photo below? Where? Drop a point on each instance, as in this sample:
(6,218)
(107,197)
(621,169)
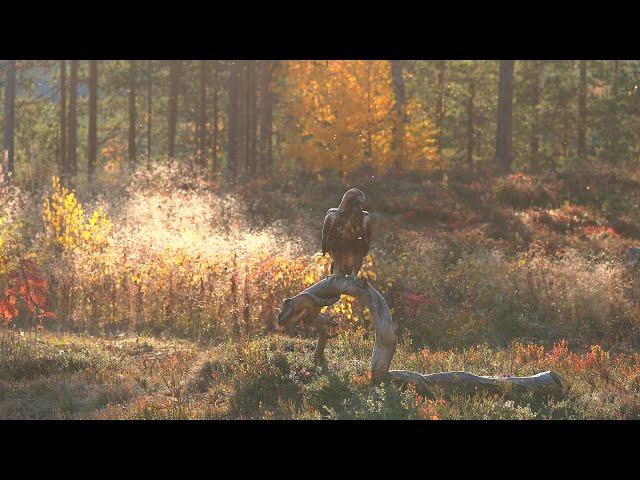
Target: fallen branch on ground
(305,307)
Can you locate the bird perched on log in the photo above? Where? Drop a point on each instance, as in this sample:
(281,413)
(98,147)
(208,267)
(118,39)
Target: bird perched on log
(346,234)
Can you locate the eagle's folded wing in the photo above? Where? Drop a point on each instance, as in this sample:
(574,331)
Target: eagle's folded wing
(326,227)
(367,232)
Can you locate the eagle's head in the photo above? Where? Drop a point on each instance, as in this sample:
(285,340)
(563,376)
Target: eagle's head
(353,197)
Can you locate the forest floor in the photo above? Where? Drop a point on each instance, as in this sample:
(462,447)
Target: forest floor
(274,377)
(500,276)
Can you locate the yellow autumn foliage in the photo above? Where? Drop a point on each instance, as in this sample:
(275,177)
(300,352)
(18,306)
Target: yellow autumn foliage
(342,116)
(65,223)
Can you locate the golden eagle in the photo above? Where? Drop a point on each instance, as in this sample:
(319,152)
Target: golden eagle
(346,234)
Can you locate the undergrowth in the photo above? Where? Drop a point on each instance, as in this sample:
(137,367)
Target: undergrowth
(274,377)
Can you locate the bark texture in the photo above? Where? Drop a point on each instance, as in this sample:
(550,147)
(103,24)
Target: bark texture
(305,307)
(505,116)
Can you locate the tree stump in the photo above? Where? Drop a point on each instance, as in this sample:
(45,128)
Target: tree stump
(305,307)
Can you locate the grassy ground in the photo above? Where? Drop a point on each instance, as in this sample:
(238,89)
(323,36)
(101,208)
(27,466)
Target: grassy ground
(274,377)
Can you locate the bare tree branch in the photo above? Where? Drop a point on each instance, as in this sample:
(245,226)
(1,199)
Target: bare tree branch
(305,307)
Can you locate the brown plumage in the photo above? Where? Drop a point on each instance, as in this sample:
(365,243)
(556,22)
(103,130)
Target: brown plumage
(346,234)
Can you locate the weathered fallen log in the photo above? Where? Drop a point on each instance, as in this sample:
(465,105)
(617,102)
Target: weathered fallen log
(544,383)
(305,307)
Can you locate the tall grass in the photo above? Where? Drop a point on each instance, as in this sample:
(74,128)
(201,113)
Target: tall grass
(163,253)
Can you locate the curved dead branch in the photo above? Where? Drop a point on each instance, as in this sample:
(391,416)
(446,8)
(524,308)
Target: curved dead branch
(544,383)
(305,307)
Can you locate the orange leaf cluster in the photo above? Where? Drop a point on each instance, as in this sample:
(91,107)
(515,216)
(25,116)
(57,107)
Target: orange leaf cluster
(343,117)
(24,286)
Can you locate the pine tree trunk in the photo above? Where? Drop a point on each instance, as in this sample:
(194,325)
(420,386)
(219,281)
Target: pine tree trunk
(505,116)
(132,112)
(202,119)
(440,101)
(470,132)
(173,105)
(240,118)
(244,118)
(214,162)
(369,152)
(399,106)
(149,85)
(251,118)
(582,111)
(233,147)
(535,130)
(265,116)
(72,139)
(8,132)
(565,130)
(62,159)
(615,138)
(93,121)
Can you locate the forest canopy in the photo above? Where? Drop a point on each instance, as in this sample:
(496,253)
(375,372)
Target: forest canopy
(93,118)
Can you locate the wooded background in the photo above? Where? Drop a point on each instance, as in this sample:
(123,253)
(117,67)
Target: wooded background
(241,119)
